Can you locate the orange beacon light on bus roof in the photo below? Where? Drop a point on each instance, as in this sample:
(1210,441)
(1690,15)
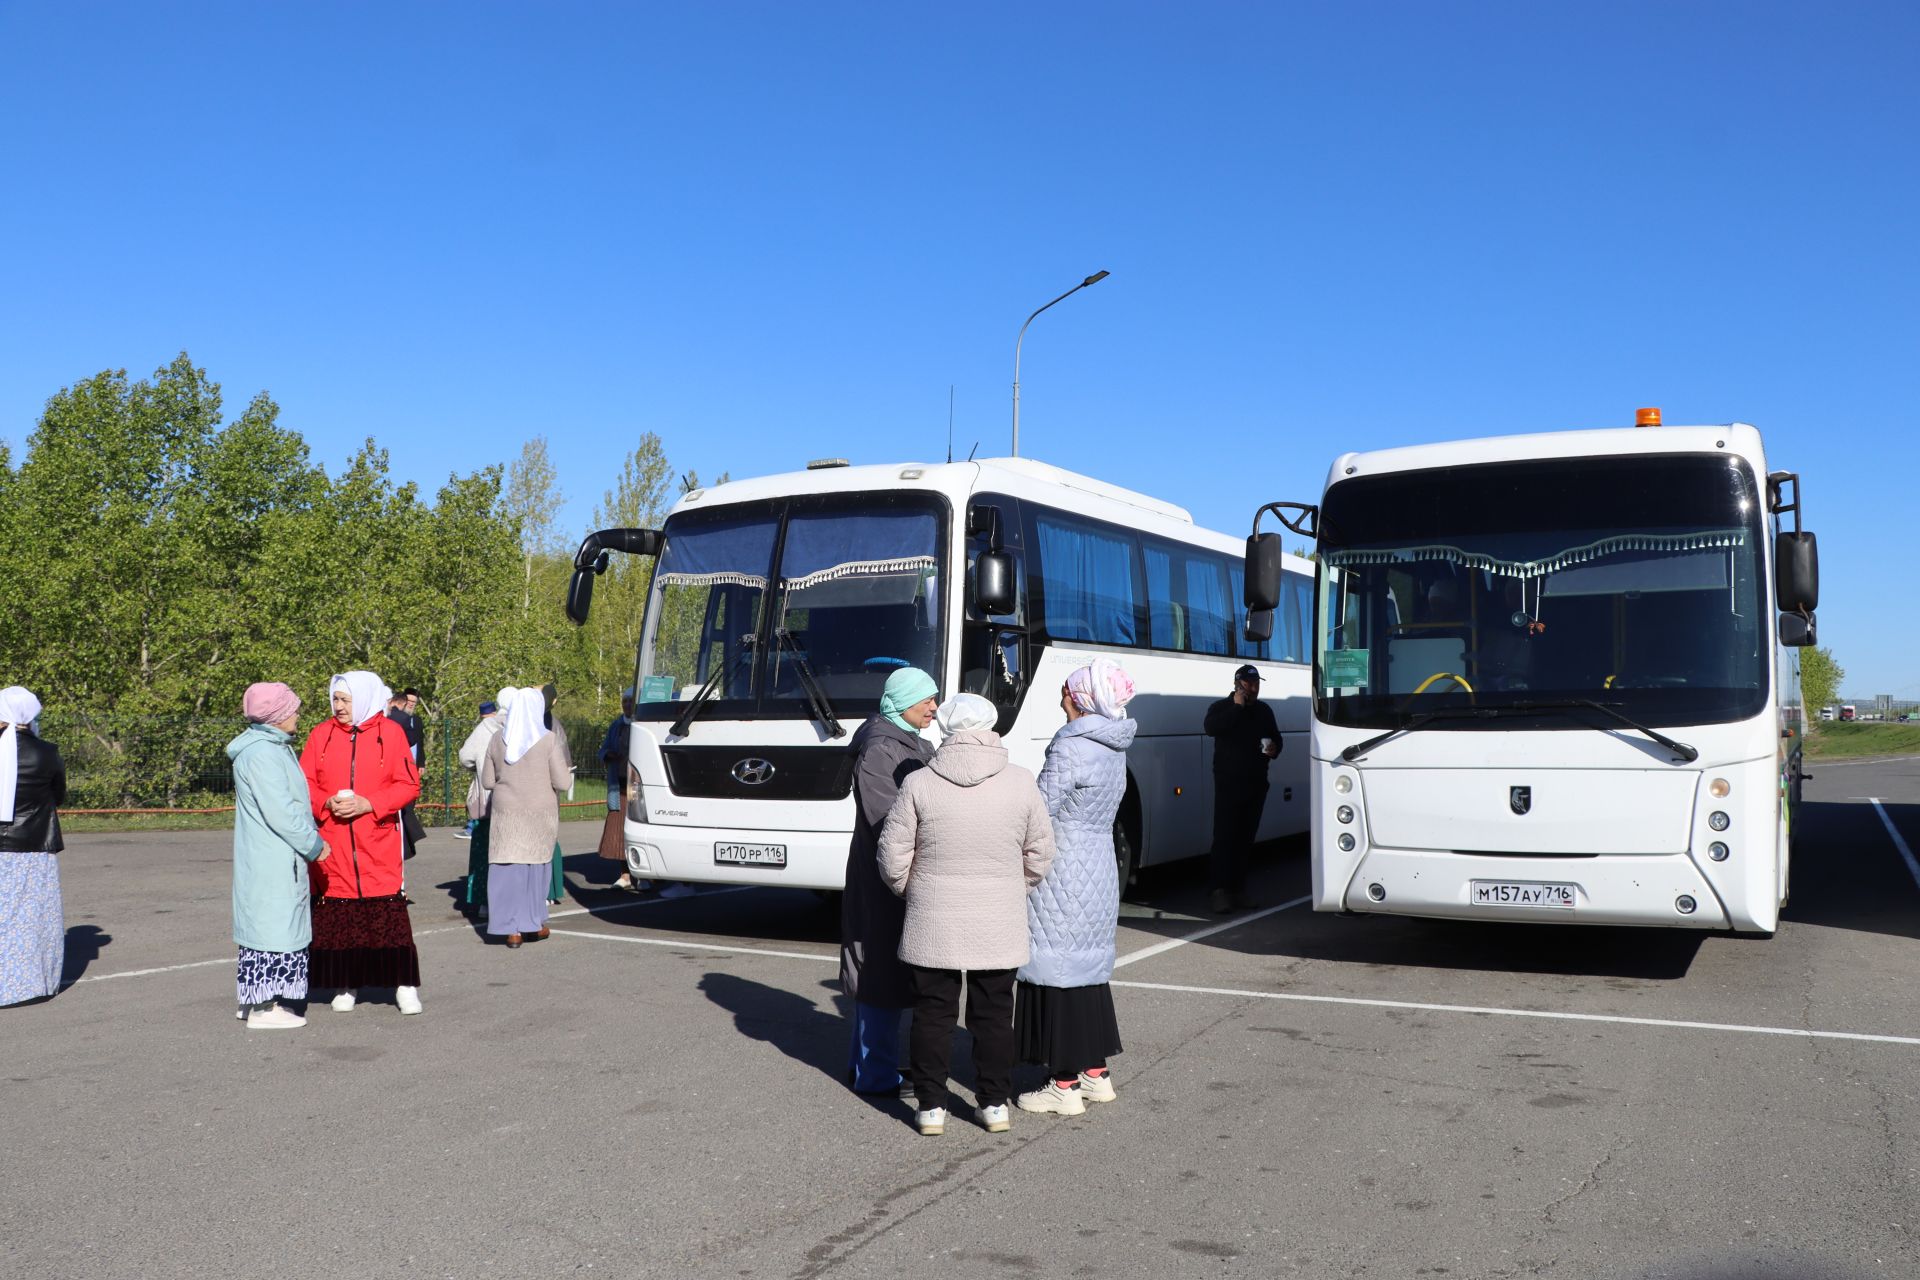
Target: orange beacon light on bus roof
(1646,418)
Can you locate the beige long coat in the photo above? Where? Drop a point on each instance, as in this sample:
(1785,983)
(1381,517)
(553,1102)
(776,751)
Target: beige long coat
(525,805)
(965,842)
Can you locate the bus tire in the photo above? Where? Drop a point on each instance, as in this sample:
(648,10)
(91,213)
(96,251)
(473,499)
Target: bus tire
(1126,839)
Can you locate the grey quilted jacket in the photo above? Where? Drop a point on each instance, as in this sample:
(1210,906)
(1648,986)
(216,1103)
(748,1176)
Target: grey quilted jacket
(964,843)
(1072,914)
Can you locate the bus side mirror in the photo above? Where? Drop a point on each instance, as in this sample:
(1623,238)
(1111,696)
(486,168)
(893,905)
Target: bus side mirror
(580,589)
(1796,572)
(1797,632)
(1259,626)
(1264,554)
(993,582)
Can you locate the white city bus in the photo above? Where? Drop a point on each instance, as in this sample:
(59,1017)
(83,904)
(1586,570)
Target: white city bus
(1549,680)
(780,605)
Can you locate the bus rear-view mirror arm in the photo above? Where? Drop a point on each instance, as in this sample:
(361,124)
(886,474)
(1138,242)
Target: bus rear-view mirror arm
(591,560)
(1266,558)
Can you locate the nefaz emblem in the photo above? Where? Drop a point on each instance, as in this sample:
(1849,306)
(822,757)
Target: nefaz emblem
(1520,799)
(752,772)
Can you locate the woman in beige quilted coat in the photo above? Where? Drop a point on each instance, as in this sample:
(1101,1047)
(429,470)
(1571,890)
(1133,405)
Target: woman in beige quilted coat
(966,841)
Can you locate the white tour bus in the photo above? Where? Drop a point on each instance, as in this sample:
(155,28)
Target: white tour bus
(1549,682)
(780,605)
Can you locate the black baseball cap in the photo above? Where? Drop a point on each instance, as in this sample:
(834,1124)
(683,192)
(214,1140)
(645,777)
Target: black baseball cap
(1248,672)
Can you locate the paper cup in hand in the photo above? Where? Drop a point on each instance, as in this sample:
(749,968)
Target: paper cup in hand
(344,793)
(1266,744)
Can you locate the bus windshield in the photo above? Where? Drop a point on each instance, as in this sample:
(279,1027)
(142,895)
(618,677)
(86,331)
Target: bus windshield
(1631,581)
(746,596)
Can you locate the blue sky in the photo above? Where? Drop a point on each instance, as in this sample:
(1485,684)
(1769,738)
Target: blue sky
(776,232)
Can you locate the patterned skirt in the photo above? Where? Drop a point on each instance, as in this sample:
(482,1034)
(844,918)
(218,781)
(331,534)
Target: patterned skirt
(33,929)
(363,942)
(271,975)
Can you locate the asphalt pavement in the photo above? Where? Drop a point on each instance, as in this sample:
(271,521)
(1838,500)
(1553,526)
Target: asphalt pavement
(655,1091)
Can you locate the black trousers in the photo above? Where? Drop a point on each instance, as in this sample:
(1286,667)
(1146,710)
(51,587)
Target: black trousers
(936,1009)
(1236,821)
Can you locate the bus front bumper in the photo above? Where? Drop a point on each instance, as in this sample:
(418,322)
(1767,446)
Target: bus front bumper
(1607,889)
(718,855)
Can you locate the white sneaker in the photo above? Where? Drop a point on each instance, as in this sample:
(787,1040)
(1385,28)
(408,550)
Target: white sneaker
(996,1119)
(274,1018)
(678,889)
(931,1123)
(463,835)
(1097,1088)
(344,1002)
(1053,1100)
(408,998)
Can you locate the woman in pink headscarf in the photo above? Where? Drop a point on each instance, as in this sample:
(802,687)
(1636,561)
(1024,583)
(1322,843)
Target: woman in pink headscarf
(1064,1016)
(274,840)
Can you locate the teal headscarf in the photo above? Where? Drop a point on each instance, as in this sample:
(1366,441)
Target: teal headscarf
(905,687)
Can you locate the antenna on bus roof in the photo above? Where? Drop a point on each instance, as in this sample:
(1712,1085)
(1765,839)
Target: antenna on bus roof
(972,451)
(949,422)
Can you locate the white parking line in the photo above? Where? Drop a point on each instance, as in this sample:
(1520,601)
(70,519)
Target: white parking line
(1522,1013)
(1161,948)
(696,946)
(1817,763)
(422,933)
(1913,865)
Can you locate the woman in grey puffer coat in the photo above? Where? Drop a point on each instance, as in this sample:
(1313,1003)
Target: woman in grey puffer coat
(1064,1012)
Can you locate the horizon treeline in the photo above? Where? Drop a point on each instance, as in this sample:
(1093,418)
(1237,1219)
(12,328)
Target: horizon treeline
(159,558)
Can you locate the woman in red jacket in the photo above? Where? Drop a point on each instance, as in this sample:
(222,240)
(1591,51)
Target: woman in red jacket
(360,775)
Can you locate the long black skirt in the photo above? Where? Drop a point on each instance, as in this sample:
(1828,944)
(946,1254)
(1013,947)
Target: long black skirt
(363,942)
(1066,1028)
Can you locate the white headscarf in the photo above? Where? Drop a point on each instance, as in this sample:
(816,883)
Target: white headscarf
(526,723)
(965,711)
(504,698)
(17,706)
(370,694)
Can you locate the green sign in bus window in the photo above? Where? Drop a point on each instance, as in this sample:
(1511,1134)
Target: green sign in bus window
(1344,669)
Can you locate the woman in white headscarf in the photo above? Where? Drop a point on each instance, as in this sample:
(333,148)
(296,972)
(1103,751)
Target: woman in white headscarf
(473,755)
(965,842)
(525,771)
(360,775)
(33,784)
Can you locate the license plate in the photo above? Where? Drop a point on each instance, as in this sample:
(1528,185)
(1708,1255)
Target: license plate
(1522,893)
(750,855)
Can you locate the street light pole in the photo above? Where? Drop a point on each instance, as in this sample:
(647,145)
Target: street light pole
(1095,278)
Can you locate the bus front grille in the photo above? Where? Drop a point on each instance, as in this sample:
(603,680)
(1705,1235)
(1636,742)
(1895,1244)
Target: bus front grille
(759,773)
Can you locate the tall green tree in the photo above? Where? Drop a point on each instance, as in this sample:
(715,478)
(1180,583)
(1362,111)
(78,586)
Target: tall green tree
(1820,677)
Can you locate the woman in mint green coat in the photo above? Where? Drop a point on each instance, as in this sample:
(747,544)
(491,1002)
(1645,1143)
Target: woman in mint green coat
(274,838)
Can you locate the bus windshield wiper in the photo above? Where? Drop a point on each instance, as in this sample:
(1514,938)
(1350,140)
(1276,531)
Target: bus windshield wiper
(1680,749)
(816,697)
(1418,722)
(685,722)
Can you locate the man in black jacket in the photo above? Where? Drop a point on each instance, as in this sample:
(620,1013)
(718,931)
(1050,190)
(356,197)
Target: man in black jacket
(1246,738)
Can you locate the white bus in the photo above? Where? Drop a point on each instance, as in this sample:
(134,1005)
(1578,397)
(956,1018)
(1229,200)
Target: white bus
(780,605)
(1549,679)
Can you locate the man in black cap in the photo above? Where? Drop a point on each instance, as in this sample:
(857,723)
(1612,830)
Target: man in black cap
(1246,738)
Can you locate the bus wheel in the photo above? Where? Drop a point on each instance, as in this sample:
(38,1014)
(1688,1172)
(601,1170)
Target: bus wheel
(1126,840)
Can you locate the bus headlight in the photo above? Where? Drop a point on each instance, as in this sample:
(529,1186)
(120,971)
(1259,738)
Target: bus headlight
(636,797)
(1343,783)
(1346,842)
(1719,821)
(1344,813)
(1717,851)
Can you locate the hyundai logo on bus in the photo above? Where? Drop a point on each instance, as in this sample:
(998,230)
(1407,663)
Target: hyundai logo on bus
(753,771)
(1520,799)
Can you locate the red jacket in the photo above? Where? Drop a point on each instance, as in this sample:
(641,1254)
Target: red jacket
(376,762)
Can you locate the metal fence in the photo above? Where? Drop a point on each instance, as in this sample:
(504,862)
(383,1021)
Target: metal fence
(178,764)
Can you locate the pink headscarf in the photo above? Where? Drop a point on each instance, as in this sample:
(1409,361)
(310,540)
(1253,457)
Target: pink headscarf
(269,702)
(1103,688)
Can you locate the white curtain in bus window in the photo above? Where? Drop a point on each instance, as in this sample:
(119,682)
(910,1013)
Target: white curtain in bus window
(1086,577)
(860,599)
